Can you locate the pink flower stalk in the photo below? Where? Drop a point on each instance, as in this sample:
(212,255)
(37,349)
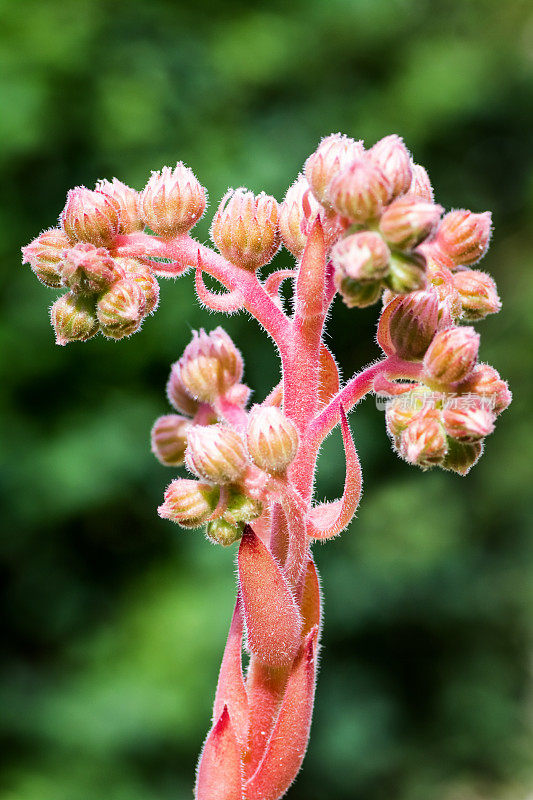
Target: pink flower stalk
(361,223)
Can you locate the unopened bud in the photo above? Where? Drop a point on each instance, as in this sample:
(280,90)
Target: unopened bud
(441,279)
(241,508)
(462,456)
(89,270)
(333,154)
(45,256)
(464,237)
(424,442)
(210,365)
(420,183)
(172,201)
(239,394)
(245,228)
(357,294)
(128,202)
(73,318)
(402,409)
(177,394)
(272,439)
(144,276)
(216,453)
(468,422)
(451,355)
(409,220)
(407,272)
(478,294)
(361,256)
(219,531)
(392,156)
(360,191)
(121,309)
(90,217)
(486,382)
(169,439)
(189,503)
(413,324)
(297,215)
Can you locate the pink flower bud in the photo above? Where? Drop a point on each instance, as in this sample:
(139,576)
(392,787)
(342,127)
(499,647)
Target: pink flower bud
(90,217)
(172,201)
(169,439)
(361,256)
(407,272)
(478,294)
(424,442)
(121,309)
(89,270)
(464,237)
(333,154)
(210,365)
(441,279)
(45,256)
(360,191)
(189,503)
(239,394)
(177,394)
(128,202)
(420,183)
(413,324)
(216,453)
(357,294)
(73,318)
(297,215)
(402,409)
(219,531)
(409,220)
(245,228)
(486,382)
(468,422)
(272,439)
(452,355)
(392,156)
(144,276)
(462,456)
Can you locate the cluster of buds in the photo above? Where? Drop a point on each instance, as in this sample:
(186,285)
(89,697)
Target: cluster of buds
(109,291)
(231,465)
(444,419)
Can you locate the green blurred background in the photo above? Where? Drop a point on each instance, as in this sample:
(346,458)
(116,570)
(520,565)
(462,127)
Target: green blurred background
(115,620)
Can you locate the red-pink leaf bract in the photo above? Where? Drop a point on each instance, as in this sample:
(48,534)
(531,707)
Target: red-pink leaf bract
(220,769)
(273,622)
(231,691)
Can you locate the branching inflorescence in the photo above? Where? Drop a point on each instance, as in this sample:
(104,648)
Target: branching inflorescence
(361,223)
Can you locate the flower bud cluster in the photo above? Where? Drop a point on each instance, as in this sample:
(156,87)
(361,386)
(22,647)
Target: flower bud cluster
(447,429)
(233,466)
(107,292)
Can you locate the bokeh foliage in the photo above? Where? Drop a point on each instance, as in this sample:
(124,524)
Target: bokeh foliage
(114,620)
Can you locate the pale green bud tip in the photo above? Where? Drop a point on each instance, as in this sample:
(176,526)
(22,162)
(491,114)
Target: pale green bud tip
(172,201)
(462,456)
(272,439)
(407,272)
(189,503)
(210,365)
(73,318)
(219,531)
(216,453)
(169,439)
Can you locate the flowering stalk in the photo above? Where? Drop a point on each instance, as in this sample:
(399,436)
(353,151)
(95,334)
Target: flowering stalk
(362,224)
